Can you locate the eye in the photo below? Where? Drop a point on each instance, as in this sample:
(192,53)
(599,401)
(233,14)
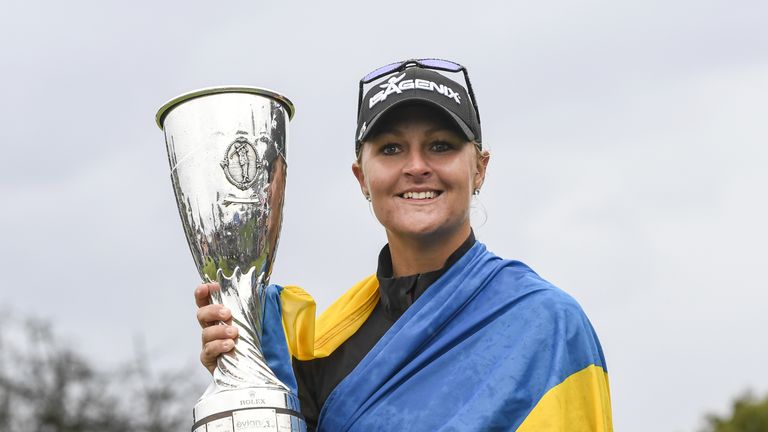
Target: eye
(390,149)
(441,146)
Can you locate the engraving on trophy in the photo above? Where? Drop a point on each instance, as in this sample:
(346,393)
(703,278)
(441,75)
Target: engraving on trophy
(241,163)
(284,423)
(254,420)
(221,425)
(253,400)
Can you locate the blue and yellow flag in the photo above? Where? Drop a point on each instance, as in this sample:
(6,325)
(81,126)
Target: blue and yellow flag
(490,346)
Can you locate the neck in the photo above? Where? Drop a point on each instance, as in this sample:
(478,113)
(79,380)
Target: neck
(413,255)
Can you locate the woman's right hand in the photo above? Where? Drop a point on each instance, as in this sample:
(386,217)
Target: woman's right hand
(216,321)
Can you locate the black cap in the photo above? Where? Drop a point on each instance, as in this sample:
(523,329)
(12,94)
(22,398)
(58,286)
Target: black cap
(416,84)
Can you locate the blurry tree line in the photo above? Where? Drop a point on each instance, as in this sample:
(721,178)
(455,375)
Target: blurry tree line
(748,414)
(47,386)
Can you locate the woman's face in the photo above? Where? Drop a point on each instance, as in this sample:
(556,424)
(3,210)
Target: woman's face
(420,173)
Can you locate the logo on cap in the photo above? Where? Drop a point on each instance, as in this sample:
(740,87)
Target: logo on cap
(362,131)
(398,85)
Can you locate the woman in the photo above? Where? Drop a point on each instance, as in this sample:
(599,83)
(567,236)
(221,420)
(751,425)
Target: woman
(445,335)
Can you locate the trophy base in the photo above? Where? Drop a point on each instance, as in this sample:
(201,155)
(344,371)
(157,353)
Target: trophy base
(256,409)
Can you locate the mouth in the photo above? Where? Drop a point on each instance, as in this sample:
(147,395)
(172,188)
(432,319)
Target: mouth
(420,195)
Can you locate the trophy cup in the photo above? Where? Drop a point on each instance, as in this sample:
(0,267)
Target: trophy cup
(226,148)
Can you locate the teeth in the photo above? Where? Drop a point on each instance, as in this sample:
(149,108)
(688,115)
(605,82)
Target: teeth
(419,195)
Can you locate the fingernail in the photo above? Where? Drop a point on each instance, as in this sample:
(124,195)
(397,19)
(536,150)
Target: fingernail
(223,312)
(230,331)
(228,345)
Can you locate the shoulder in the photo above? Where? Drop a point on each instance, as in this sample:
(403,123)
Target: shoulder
(541,292)
(516,280)
(557,316)
(541,308)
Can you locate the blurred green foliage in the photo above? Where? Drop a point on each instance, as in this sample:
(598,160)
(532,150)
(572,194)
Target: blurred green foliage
(748,414)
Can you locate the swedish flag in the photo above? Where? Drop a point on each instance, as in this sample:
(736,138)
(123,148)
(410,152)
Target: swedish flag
(490,346)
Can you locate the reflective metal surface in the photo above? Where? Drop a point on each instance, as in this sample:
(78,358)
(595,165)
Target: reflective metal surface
(226,148)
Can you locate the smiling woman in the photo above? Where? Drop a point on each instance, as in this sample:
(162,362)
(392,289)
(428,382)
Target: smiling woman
(419,173)
(445,335)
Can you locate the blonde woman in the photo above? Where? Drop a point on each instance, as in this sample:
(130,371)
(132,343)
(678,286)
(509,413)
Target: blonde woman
(445,335)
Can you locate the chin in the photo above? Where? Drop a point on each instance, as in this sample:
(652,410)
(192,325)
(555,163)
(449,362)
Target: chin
(425,229)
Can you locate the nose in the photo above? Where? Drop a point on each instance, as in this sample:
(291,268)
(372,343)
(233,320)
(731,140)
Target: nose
(417,165)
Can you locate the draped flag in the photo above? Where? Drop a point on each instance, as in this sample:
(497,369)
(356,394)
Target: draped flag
(490,346)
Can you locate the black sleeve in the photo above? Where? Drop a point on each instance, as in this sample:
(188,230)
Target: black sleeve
(305,377)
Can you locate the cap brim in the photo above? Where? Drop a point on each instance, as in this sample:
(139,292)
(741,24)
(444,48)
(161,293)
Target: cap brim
(420,100)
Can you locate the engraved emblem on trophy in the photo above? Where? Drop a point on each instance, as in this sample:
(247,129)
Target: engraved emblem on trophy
(242,173)
(226,149)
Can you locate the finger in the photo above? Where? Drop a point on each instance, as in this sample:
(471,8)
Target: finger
(218,332)
(213,314)
(203,293)
(213,349)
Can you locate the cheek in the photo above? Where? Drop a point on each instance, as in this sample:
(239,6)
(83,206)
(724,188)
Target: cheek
(374,185)
(379,181)
(462,176)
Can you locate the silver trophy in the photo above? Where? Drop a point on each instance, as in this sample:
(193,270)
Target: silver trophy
(226,147)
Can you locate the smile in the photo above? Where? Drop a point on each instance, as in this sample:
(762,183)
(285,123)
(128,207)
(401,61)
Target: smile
(422,195)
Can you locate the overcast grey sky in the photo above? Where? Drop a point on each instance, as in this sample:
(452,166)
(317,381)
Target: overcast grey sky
(628,167)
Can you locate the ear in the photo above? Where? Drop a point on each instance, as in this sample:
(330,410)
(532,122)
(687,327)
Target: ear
(482,165)
(357,170)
